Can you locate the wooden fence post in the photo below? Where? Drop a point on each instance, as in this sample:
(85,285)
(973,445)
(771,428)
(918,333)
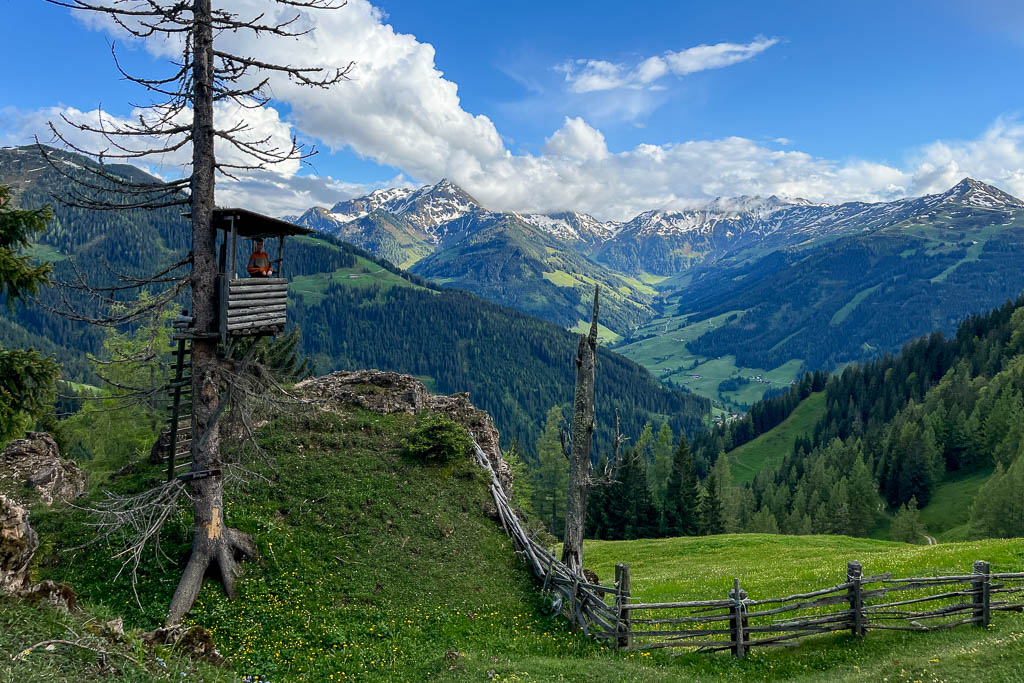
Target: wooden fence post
(623,625)
(738,619)
(981,586)
(854,573)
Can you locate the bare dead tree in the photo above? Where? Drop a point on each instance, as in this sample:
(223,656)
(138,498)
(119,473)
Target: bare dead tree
(578,450)
(182,117)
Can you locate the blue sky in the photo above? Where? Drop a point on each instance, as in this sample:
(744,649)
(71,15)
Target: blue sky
(605,107)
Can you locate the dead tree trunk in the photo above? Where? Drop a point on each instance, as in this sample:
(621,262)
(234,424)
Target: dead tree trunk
(213,543)
(579,455)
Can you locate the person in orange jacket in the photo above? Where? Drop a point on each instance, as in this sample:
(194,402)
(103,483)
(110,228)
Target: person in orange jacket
(259,262)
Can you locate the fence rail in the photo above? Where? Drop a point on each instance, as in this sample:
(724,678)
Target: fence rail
(737,622)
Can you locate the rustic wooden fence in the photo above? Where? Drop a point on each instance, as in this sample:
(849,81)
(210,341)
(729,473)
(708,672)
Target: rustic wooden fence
(737,622)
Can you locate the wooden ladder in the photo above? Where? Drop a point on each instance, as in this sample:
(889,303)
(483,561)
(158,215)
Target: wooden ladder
(179,452)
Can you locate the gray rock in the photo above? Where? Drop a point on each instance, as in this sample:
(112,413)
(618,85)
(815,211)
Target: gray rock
(35,462)
(18,543)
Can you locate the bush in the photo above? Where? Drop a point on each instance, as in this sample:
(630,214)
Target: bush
(437,440)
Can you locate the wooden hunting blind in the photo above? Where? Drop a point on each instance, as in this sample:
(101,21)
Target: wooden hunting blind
(251,305)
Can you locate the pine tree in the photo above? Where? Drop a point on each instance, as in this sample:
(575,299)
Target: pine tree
(27,378)
(682,495)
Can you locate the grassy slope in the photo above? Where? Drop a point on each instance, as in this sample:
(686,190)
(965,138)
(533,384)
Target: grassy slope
(370,565)
(364,274)
(769,449)
(945,517)
(772,566)
(665,355)
(375,567)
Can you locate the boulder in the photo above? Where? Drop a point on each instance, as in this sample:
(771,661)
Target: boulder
(18,542)
(194,641)
(35,462)
(58,594)
(376,390)
(158,453)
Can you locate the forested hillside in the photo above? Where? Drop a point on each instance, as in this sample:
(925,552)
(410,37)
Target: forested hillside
(860,296)
(940,410)
(514,366)
(349,315)
(922,443)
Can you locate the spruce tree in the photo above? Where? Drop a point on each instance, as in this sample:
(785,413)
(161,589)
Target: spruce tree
(682,495)
(998,509)
(661,465)
(628,511)
(862,499)
(711,521)
(907,527)
(551,476)
(27,378)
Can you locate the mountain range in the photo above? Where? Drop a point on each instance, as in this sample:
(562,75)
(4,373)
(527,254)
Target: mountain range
(439,217)
(756,284)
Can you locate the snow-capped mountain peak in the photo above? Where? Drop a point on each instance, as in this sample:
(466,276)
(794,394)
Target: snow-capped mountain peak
(976,193)
(571,225)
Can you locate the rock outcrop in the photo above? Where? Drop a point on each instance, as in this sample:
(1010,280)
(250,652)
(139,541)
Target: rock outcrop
(35,463)
(18,542)
(392,392)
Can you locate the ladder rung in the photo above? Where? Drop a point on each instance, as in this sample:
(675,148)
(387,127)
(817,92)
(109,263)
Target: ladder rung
(181,465)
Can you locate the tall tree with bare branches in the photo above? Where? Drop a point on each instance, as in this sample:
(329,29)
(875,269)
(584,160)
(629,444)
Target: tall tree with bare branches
(578,451)
(183,117)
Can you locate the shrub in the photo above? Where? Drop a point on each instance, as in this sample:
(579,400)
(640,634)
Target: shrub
(436,440)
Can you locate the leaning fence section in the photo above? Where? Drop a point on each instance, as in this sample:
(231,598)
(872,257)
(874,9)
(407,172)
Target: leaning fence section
(737,621)
(582,602)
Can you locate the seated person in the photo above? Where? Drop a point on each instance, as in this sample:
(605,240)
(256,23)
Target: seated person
(259,262)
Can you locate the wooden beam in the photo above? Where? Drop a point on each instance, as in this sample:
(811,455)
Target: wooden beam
(265,311)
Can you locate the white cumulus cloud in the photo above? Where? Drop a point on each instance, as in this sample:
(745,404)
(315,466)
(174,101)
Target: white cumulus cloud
(399,110)
(592,75)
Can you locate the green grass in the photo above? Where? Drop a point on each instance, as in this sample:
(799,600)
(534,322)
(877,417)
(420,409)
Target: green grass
(846,310)
(375,567)
(773,566)
(945,516)
(665,355)
(364,274)
(604,335)
(370,566)
(769,449)
(42,253)
(23,625)
(560,278)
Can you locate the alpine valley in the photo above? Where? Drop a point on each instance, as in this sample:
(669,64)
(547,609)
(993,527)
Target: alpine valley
(732,299)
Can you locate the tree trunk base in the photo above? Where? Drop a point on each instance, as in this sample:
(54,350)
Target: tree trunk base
(222,551)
